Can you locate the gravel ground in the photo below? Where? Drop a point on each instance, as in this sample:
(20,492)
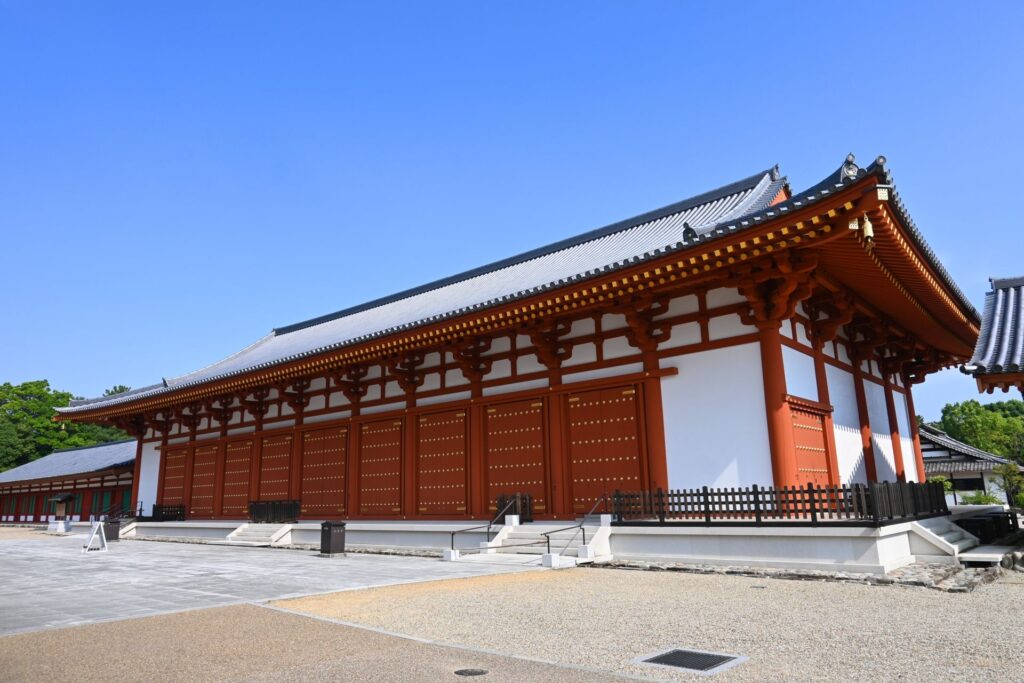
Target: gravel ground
(790,630)
(250,643)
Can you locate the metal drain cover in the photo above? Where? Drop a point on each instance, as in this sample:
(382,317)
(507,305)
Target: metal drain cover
(706,663)
(471,672)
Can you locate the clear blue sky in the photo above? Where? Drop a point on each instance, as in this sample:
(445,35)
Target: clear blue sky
(178,178)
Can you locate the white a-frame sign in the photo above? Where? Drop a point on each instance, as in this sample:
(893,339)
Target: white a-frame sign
(97,535)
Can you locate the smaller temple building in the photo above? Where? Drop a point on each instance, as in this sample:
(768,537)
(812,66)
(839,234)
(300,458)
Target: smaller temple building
(90,481)
(969,468)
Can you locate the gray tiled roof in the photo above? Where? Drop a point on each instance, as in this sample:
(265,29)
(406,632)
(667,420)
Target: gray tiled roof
(730,209)
(942,454)
(74,461)
(1000,345)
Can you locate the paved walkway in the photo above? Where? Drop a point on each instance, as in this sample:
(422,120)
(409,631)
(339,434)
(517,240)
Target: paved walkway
(52,584)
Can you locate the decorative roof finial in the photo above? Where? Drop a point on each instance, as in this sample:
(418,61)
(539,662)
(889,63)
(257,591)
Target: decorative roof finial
(689,234)
(849,169)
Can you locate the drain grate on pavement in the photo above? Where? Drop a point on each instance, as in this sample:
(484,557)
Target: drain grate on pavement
(697,661)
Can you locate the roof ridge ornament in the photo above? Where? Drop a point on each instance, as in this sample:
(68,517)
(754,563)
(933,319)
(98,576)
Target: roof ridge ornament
(849,169)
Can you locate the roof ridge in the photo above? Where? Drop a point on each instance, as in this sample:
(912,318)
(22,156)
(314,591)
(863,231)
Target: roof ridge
(1006,282)
(554,247)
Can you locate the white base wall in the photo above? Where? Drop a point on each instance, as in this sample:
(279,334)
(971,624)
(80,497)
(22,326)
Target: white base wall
(852,549)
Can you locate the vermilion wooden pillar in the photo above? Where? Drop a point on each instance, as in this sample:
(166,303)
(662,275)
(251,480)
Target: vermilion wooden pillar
(653,421)
(894,431)
(915,432)
(218,475)
(865,422)
(834,476)
(780,423)
(475,460)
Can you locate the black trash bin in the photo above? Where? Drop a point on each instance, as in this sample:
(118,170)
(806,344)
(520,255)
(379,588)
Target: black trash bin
(112,529)
(332,539)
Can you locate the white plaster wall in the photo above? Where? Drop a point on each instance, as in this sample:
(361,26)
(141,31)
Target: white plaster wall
(618,347)
(500,369)
(581,353)
(316,403)
(327,416)
(516,386)
(445,398)
(149,476)
(612,321)
(800,376)
(903,418)
(725,326)
(601,373)
(716,432)
(681,305)
(878,418)
(454,378)
(724,296)
(846,426)
(431,381)
(383,408)
(683,335)
(581,328)
(528,364)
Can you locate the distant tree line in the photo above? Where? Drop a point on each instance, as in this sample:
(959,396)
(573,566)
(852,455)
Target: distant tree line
(27,429)
(994,427)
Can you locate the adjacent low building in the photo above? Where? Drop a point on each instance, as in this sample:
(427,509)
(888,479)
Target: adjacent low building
(969,469)
(98,479)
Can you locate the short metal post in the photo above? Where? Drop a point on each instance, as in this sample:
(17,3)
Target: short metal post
(707,505)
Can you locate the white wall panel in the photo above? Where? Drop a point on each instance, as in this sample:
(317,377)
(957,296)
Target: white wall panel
(681,305)
(903,418)
(846,426)
(619,347)
(581,353)
(149,476)
(725,326)
(529,363)
(716,432)
(601,373)
(881,439)
(683,335)
(724,296)
(800,377)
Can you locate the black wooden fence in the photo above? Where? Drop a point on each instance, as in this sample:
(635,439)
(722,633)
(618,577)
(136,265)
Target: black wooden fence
(876,504)
(168,513)
(274,511)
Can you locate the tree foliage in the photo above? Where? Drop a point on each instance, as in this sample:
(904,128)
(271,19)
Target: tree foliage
(27,429)
(997,428)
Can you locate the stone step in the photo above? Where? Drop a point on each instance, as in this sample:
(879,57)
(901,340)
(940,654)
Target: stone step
(537,550)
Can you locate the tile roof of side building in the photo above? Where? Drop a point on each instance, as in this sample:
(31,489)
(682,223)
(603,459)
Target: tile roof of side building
(730,209)
(1000,347)
(74,461)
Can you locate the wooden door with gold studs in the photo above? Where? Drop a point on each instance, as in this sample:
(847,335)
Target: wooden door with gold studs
(604,444)
(812,463)
(380,468)
(515,455)
(441,472)
(275,467)
(173,490)
(237,469)
(324,459)
(204,474)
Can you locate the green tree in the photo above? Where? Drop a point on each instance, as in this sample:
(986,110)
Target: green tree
(27,429)
(116,389)
(989,430)
(1010,480)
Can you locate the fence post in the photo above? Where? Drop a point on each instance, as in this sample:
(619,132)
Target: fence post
(757,504)
(811,505)
(875,502)
(617,505)
(707,505)
(661,506)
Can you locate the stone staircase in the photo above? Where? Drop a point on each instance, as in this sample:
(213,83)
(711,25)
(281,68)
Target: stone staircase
(256,535)
(528,539)
(941,538)
(526,544)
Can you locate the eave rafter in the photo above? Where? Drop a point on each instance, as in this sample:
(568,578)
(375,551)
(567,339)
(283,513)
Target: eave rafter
(696,265)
